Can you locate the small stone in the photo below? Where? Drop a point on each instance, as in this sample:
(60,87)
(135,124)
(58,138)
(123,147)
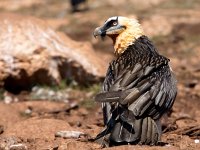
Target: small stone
(66,101)
(35,88)
(73,104)
(69,134)
(28,111)
(8,99)
(16,99)
(196,141)
(39,92)
(51,93)
(18,147)
(168,145)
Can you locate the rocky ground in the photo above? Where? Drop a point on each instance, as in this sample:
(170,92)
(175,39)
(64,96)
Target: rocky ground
(33,119)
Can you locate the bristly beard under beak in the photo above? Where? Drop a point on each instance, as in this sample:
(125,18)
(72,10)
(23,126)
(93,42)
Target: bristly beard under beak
(103,37)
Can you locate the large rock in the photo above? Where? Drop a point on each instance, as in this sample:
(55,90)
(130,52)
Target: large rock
(32,52)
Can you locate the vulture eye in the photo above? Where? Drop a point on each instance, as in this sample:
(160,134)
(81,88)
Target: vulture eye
(114,23)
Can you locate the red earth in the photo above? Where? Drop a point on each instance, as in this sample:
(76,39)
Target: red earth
(172,25)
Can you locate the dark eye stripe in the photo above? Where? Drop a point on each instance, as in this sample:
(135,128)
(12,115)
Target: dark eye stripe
(111,23)
(112,19)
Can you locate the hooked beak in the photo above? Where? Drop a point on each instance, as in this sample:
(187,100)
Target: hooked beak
(102,31)
(99,32)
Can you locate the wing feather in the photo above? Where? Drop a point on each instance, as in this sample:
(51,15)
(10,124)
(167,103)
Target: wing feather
(146,94)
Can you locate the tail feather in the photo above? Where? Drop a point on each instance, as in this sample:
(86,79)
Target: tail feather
(123,127)
(124,133)
(143,131)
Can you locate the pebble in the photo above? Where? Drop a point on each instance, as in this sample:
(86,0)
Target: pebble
(28,111)
(196,141)
(39,92)
(8,99)
(35,88)
(46,93)
(18,147)
(16,99)
(51,93)
(69,134)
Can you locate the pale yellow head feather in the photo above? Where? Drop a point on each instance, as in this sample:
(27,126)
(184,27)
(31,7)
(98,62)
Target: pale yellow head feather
(128,36)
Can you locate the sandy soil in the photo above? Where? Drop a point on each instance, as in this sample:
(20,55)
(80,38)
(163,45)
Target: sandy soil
(34,123)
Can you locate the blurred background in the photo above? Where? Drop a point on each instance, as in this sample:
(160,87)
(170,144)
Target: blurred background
(51,67)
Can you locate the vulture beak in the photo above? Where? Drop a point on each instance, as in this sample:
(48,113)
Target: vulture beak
(99,32)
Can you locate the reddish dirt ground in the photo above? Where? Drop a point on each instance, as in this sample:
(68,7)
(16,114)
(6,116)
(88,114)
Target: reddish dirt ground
(34,123)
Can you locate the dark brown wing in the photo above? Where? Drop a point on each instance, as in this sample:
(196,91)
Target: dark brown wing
(139,87)
(148,90)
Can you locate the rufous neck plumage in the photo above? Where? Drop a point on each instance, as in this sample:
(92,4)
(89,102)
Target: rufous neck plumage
(132,32)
